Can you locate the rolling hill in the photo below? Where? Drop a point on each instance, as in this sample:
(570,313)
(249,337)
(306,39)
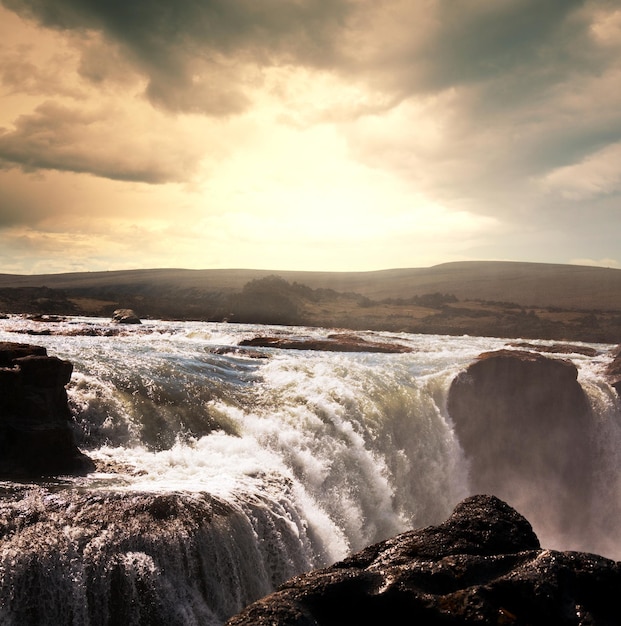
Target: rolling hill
(526,284)
(563,301)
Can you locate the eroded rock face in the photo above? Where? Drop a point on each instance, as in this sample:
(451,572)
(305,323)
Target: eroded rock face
(525,425)
(35,434)
(483,566)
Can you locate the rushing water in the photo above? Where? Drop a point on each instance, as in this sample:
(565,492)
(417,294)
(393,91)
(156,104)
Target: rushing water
(224,471)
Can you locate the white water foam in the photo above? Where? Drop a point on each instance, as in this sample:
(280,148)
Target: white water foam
(318,453)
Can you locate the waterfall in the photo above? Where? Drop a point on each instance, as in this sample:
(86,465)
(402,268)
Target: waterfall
(106,557)
(222,472)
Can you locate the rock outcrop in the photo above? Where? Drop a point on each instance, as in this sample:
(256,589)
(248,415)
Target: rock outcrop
(125,316)
(525,425)
(613,371)
(338,342)
(483,565)
(35,432)
(556,348)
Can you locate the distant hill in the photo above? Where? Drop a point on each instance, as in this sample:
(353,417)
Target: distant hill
(527,284)
(468,297)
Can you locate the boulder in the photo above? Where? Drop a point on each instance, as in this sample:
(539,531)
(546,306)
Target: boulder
(125,316)
(36,438)
(483,565)
(525,425)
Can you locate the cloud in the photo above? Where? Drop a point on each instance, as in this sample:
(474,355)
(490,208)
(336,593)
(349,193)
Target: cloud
(431,46)
(199,56)
(56,200)
(480,124)
(204,56)
(597,175)
(18,205)
(507,112)
(107,143)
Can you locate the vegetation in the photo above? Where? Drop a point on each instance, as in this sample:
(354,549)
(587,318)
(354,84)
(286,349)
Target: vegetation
(272,299)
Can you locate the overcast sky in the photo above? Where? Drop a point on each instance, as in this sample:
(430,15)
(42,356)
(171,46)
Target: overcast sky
(308,134)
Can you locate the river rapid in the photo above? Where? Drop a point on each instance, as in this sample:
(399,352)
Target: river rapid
(223,471)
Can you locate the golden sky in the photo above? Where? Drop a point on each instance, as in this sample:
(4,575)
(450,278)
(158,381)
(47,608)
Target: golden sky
(308,134)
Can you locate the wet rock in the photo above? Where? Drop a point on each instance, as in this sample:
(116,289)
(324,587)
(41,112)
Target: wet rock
(525,425)
(613,371)
(35,432)
(9,351)
(482,566)
(125,316)
(251,354)
(556,348)
(48,319)
(333,343)
(107,558)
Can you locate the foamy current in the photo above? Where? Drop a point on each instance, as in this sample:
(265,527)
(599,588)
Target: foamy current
(256,463)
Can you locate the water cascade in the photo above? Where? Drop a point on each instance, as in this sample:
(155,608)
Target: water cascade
(222,471)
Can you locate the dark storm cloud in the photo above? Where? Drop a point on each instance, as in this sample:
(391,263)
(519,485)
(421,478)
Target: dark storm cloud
(516,57)
(197,54)
(530,80)
(481,40)
(524,88)
(187,47)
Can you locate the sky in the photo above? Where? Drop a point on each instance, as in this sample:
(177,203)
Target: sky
(338,135)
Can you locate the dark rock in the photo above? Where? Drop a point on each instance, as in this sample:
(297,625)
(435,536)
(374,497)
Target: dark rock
(35,432)
(251,354)
(525,425)
(44,371)
(125,316)
(333,343)
(613,371)
(482,566)
(10,351)
(556,348)
(47,318)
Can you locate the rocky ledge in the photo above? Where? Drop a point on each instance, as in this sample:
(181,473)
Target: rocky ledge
(613,371)
(36,438)
(337,342)
(483,565)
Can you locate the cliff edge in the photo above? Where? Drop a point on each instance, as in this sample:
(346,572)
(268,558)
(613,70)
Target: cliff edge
(483,565)
(36,438)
